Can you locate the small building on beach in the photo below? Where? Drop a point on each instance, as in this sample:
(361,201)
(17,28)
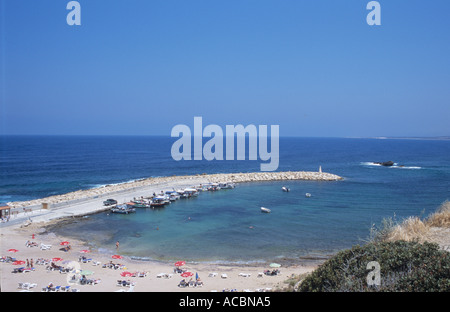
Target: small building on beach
(5,211)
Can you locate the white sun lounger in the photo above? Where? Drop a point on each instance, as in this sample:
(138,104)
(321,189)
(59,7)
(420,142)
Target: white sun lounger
(45,247)
(212,274)
(224,275)
(165,275)
(244,274)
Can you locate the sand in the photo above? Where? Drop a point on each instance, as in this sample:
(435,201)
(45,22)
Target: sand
(19,230)
(239,278)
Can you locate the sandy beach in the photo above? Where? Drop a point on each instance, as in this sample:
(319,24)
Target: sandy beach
(239,278)
(29,225)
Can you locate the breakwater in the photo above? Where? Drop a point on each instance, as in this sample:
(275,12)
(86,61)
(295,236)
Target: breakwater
(176,182)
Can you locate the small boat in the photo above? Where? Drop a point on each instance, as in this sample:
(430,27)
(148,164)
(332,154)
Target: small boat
(190,192)
(285,189)
(138,204)
(173,195)
(307,195)
(123,209)
(226,185)
(213,187)
(266,210)
(159,201)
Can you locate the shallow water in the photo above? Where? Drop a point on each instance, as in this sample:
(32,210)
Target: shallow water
(227,225)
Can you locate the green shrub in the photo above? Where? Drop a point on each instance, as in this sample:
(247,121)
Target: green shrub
(404,266)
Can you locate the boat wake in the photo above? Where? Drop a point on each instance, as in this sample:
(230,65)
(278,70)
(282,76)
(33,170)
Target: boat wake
(395,165)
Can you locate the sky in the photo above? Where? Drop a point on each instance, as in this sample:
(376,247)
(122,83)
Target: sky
(315,68)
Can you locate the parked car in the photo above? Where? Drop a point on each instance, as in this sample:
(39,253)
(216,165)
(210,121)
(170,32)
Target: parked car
(110,202)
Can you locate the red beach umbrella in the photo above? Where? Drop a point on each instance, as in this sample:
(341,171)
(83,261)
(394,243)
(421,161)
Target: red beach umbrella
(187,274)
(13,250)
(180,263)
(18,262)
(56,259)
(116,257)
(64,243)
(126,274)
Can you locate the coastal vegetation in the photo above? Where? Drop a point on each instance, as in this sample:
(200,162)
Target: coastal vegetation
(413,256)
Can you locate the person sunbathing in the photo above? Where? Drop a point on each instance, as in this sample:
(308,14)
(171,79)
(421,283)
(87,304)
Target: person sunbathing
(31,244)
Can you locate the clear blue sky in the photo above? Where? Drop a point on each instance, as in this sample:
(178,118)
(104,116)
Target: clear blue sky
(140,67)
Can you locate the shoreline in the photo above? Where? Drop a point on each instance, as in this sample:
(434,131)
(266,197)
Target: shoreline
(28,223)
(196,179)
(239,277)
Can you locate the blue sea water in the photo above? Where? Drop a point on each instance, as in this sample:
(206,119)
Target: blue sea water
(227,225)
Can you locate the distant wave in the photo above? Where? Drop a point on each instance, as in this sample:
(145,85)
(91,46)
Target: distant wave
(395,165)
(93,186)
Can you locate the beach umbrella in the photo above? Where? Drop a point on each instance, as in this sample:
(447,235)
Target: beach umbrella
(180,263)
(274,265)
(126,274)
(116,257)
(12,250)
(196,276)
(187,274)
(18,262)
(64,243)
(85,251)
(56,259)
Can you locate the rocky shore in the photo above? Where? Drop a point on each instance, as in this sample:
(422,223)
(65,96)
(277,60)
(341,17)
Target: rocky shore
(177,181)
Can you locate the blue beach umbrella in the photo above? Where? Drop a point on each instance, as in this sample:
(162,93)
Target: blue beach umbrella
(196,275)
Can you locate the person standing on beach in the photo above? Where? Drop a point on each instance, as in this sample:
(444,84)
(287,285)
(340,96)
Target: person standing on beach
(117,245)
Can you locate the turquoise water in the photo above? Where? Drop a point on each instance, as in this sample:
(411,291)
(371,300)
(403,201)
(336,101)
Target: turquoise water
(227,225)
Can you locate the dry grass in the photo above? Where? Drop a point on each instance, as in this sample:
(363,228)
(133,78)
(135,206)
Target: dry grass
(441,218)
(415,229)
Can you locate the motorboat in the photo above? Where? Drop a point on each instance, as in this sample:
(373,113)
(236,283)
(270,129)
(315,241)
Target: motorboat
(159,201)
(138,204)
(213,187)
(227,185)
(266,210)
(123,209)
(307,195)
(189,192)
(285,189)
(173,195)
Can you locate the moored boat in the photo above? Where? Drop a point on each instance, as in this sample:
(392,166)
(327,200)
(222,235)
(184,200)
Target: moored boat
(227,185)
(266,210)
(159,201)
(123,209)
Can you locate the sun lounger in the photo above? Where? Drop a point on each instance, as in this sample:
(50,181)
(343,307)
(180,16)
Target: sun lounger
(26,285)
(260,274)
(183,284)
(141,274)
(165,275)
(244,274)
(224,275)
(96,263)
(212,274)
(45,247)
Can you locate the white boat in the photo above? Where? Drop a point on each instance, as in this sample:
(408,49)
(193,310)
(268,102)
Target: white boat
(285,189)
(266,210)
(226,185)
(124,209)
(307,195)
(189,192)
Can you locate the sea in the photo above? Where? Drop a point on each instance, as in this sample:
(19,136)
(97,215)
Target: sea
(227,226)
